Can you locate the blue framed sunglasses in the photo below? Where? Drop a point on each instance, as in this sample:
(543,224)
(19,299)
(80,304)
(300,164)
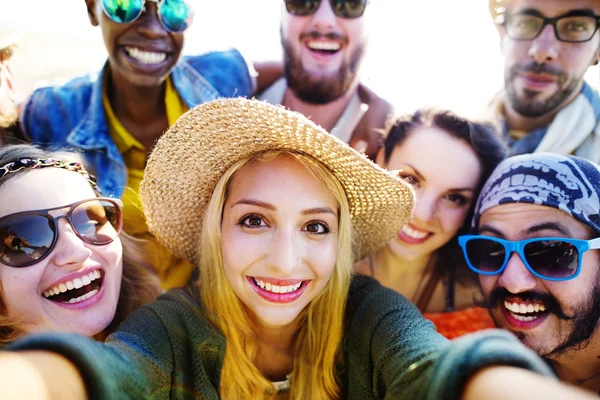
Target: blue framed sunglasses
(174,15)
(549,258)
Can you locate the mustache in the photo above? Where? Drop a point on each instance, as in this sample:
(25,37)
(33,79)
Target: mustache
(328,36)
(500,294)
(537,68)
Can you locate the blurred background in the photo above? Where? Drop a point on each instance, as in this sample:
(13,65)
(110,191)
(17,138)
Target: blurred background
(428,52)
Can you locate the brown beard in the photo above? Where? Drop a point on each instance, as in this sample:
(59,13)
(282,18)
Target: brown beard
(323,89)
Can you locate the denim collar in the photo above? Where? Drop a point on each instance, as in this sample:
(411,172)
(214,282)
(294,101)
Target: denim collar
(92,132)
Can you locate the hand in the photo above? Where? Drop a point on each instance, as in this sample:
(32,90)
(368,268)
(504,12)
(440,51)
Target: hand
(495,383)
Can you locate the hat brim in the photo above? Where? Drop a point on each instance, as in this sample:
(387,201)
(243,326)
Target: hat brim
(191,157)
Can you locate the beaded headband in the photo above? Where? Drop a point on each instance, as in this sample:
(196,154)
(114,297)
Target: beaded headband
(24,164)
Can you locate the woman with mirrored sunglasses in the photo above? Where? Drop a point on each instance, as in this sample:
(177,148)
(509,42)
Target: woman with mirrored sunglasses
(65,265)
(142,89)
(447,158)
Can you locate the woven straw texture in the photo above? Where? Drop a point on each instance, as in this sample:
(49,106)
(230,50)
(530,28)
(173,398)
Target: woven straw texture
(190,158)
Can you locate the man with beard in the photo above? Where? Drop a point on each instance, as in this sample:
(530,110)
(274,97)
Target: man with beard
(547,46)
(536,252)
(8,105)
(323,46)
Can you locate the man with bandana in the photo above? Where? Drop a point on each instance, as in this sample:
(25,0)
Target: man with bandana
(8,104)
(537,224)
(323,47)
(546,106)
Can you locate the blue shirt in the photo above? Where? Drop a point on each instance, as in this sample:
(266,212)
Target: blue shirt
(73,117)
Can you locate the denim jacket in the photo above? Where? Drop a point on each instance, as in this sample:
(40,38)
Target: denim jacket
(72,116)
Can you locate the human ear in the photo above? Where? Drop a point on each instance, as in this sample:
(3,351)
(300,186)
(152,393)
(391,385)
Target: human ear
(91,10)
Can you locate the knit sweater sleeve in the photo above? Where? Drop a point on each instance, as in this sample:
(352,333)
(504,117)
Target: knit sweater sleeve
(395,353)
(147,357)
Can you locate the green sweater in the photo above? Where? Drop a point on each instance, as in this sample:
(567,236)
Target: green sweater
(168,350)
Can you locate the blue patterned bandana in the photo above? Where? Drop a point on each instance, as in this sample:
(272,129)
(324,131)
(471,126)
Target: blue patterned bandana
(569,183)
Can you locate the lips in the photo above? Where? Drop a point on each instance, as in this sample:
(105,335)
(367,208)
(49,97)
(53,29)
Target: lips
(77,289)
(412,235)
(277,290)
(523,315)
(537,81)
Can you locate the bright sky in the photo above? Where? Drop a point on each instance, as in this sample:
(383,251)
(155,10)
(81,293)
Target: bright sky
(428,52)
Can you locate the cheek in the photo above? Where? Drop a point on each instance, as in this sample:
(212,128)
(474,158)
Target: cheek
(19,285)
(323,257)
(487,283)
(452,219)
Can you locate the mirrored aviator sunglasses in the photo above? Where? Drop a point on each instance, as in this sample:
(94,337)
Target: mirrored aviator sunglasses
(174,15)
(341,8)
(549,258)
(28,237)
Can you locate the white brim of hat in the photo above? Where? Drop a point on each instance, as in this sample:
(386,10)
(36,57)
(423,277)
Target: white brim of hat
(190,158)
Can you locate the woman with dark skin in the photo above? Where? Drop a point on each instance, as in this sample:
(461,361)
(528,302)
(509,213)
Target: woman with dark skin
(115,117)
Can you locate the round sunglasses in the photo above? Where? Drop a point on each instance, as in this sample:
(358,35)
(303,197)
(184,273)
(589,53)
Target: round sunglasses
(28,237)
(174,15)
(341,8)
(549,258)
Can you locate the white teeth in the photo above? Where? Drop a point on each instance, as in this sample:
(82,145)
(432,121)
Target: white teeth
(275,288)
(73,284)
(328,46)
(530,308)
(146,57)
(83,297)
(523,309)
(524,318)
(413,233)
(520,308)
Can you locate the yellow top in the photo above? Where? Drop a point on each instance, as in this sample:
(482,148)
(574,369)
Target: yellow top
(172,272)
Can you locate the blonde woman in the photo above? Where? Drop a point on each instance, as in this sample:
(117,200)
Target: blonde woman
(267,204)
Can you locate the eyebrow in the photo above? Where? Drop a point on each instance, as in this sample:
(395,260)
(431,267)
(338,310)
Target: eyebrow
(262,204)
(587,12)
(419,175)
(554,226)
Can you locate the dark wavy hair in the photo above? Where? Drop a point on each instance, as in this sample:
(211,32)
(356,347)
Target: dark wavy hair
(482,137)
(139,284)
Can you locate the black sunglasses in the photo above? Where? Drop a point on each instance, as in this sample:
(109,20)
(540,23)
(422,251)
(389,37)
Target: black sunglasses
(28,237)
(341,8)
(568,28)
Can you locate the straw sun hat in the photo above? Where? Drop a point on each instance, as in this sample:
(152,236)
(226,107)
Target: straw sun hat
(190,158)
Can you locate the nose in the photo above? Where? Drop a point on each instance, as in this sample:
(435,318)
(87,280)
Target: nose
(425,207)
(69,248)
(285,254)
(545,48)
(516,278)
(149,25)
(324,18)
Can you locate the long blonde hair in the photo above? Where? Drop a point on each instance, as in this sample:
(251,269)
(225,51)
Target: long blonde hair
(317,348)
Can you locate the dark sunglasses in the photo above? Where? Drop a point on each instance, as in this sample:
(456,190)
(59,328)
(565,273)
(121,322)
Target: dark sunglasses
(549,258)
(174,15)
(341,8)
(28,237)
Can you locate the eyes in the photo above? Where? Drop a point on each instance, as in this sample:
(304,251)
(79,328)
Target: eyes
(455,198)
(256,221)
